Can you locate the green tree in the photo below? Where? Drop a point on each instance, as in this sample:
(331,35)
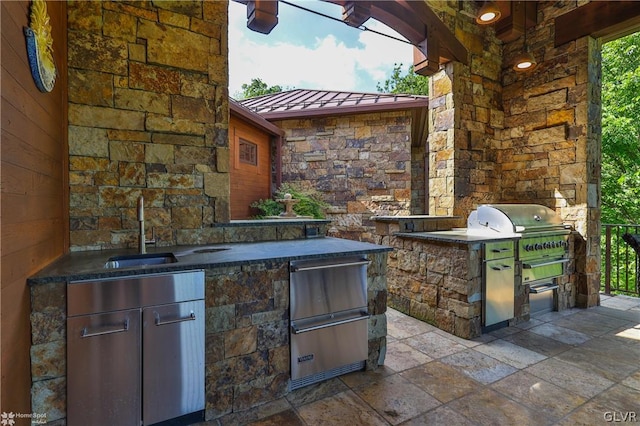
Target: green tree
(410,83)
(257,87)
(621,130)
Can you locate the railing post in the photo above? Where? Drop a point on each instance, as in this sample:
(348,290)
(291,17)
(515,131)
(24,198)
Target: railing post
(607,254)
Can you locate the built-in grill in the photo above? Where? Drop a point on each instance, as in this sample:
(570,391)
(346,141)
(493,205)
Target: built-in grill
(542,246)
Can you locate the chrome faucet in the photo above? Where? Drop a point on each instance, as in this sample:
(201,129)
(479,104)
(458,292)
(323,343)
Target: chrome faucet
(142,239)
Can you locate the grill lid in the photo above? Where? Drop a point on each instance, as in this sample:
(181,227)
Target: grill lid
(513,218)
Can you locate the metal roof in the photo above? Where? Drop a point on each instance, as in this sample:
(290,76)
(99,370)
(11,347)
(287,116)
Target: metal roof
(299,103)
(236,108)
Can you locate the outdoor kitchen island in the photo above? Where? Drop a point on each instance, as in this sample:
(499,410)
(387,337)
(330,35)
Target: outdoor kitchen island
(436,273)
(247,352)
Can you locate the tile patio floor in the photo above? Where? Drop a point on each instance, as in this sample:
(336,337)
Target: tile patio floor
(567,368)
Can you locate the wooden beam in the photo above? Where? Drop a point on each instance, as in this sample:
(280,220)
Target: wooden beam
(426,57)
(356,13)
(262,15)
(445,37)
(606,19)
(523,15)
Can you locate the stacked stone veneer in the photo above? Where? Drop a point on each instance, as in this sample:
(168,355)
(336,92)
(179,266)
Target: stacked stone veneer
(362,164)
(246,343)
(148,115)
(437,282)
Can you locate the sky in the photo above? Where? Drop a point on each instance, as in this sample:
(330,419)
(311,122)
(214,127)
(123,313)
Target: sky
(307,51)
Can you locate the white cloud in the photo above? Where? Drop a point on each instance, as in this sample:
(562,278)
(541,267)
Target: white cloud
(327,63)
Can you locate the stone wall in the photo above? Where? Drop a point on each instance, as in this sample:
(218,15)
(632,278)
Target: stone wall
(360,163)
(246,341)
(148,115)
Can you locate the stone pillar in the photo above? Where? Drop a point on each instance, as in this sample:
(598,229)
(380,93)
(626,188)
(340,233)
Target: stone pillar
(588,194)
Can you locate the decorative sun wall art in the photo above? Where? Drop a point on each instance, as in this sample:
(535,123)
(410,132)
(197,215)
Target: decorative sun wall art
(40,47)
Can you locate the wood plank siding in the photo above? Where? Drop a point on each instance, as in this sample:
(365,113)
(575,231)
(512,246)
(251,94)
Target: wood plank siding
(249,182)
(34,196)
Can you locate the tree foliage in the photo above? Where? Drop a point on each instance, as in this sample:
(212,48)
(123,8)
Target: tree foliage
(621,130)
(410,83)
(257,87)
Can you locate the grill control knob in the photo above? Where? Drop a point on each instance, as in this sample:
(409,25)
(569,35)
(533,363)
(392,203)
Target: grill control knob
(538,246)
(528,247)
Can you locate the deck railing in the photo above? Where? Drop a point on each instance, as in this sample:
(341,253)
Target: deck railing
(620,262)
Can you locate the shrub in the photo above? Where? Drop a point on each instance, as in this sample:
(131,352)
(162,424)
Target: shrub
(310,204)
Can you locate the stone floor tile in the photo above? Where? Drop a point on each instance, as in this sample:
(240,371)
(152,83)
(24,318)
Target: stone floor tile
(397,399)
(489,407)
(315,392)
(570,377)
(345,408)
(620,302)
(511,354)
(479,366)
(401,356)
(404,326)
(529,324)
(607,358)
(562,334)
(441,416)
(442,381)
(469,343)
(539,395)
(633,381)
(538,343)
(289,418)
(555,315)
(434,345)
(618,405)
(626,314)
(504,331)
(591,323)
(363,378)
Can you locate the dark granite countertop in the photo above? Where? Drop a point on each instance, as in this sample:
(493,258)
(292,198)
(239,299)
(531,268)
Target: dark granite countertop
(456,236)
(89,265)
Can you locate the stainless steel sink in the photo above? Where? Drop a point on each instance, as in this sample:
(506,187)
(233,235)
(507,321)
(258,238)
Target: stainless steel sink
(131,260)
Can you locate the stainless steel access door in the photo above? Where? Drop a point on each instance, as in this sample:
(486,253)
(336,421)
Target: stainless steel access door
(173,355)
(499,291)
(103,364)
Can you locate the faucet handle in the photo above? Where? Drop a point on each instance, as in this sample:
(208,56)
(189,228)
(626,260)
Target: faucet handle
(153,236)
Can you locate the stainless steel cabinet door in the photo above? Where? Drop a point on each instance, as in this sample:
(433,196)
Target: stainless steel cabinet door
(103,369)
(500,291)
(173,355)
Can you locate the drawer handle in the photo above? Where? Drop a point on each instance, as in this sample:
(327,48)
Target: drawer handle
(191,317)
(333,265)
(501,268)
(120,329)
(501,250)
(297,330)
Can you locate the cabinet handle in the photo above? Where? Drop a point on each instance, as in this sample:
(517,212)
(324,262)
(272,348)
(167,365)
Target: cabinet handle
(120,329)
(191,317)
